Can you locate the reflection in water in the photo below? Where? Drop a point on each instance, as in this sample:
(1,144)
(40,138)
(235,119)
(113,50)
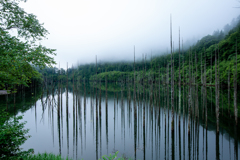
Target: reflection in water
(138,126)
(236,142)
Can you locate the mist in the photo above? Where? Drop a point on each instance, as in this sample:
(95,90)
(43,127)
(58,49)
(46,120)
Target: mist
(80,30)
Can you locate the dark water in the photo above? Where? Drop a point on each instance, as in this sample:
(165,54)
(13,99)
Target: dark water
(85,125)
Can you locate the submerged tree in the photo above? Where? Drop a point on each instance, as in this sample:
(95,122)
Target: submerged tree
(216,92)
(235,90)
(172,77)
(179,80)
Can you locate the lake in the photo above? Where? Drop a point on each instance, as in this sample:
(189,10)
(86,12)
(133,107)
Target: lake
(89,121)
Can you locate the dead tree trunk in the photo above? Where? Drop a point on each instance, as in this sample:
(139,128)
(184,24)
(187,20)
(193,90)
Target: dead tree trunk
(201,71)
(179,82)
(96,80)
(196,105)
(189,97)
(216,92)
(172,78)
(205,77)
(235,90)
(228,90)
(134,82)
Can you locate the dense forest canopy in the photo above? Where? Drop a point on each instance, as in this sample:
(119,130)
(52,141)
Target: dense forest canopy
(18,54)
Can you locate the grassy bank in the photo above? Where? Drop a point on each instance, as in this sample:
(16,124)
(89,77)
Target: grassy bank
(45,156)
(50,156)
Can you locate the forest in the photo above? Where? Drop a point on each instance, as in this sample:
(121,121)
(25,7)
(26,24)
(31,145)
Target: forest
(219,49)
(192,90)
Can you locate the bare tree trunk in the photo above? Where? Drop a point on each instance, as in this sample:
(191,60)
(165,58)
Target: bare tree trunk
(151,87)
(211,70)
(106,89)
(218,84)
(67,87)
(205,89)
(179,83)
(172,77)
(218,78)
(196,105)
(96,80)
(168,87)
(192,68)
(205,103)
(205,77)
(201,71)
(228,90)
(235,90)
(183,64)
(216,92)
(193,81)
(134,82)
(159,88)
(189,96)
(67,113)
(183,92)
(165,94)
(100,98)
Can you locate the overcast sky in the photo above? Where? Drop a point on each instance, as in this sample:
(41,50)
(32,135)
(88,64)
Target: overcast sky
(82,29)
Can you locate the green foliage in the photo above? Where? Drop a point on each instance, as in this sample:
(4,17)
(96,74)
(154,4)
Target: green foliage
(45,156)
(113,157)
(50,156)
(110,157)
(13,16)
(12,136)
(53,74)
(111,76)
(18,56)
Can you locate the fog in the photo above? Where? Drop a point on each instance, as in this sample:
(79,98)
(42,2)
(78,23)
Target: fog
(82,29)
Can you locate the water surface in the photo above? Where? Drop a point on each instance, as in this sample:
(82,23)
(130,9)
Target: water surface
(83,122)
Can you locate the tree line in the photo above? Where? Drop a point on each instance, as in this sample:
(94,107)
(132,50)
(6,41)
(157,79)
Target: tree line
(200,56)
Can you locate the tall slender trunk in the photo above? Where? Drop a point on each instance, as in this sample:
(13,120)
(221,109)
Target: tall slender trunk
(159,89)
(228,90)
(183,90)
(218,75)
(189,96)
(205,89)
(67,114)
(196,103)
(216,92)
(134,81)
(106,109)
(67,86)
(211,70)
(179,81)
(218,78)
(235,90)
(106,88)
(96,80)
(193,81)
(172,77)
(168,87)
(201,71)
(183,64)
(205,77)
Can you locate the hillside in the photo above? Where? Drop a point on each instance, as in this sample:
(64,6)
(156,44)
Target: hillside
(197,61)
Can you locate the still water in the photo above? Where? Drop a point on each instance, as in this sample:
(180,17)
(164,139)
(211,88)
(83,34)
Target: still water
(87,123)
